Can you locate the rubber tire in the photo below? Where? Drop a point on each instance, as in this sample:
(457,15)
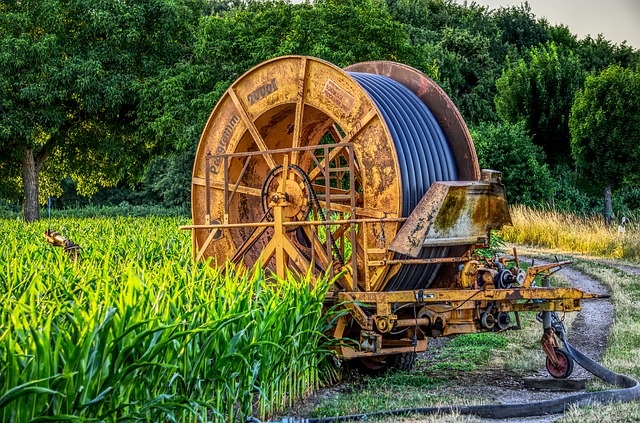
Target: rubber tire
(379,365)
(404,362)
(563,356)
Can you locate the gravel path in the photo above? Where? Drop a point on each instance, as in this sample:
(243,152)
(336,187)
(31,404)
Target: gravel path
(589,333)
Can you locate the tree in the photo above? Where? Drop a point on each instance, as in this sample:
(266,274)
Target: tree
(509,149)
(69,74)
(599,53)
(175,103)
(519,26)
(539,94)
(605,130)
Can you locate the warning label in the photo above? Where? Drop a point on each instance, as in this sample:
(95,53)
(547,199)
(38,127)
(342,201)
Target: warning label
(338,96)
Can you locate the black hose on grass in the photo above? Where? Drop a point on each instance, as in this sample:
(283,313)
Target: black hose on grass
(629,391)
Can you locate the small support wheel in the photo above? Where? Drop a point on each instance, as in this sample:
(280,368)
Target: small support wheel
(565,365)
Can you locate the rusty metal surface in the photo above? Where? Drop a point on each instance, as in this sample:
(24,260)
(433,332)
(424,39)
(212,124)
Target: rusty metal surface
(298,133)
(286,103)
(453,213)
(292,102)
(58,240)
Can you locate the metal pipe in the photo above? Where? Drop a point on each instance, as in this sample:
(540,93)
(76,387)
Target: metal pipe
(407,323)
(546,315)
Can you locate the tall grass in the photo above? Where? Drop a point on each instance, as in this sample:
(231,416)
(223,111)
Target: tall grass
(136,331)
(572,232)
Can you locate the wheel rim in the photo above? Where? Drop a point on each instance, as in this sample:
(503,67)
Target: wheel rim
(296,108)
(562,369)
(375,363)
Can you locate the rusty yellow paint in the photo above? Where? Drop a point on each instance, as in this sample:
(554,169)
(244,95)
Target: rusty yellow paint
(454,213)
(285,103)
(277,114)
(447,295)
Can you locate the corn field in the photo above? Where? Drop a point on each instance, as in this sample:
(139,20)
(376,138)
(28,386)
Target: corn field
(135,330)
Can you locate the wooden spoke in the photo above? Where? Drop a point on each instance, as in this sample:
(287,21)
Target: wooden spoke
(356,167)
(205,245)
(320,188)
(347,138)
(360,211)
(244,169)
(242,189)
(297,123)
(320,167)
(318,248)
(335,134)
(252,128)
(257,233)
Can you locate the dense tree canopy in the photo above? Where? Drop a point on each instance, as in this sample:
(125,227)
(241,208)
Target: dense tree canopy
(538,92)
(509,148)
(105,91)
(69,72)
(605,129)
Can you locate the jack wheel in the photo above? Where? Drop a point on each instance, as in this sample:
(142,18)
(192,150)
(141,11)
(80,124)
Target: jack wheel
(565,365)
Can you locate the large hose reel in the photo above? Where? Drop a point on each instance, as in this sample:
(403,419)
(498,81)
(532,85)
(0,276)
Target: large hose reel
(369,171)
(364,143)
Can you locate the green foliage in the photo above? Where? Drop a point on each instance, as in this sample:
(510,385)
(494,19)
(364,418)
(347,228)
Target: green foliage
(137,331)
(519,26)
(599,53)
(69,71)
(626,201)
(104,91)
(570,195)
(457,47)
(605,128)
(496,245)
(468,352)
(538,92)
(509,149)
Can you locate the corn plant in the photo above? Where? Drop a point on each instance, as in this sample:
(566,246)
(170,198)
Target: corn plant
(135,330)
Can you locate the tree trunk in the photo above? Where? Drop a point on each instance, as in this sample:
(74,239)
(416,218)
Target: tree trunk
(30,206)
(607,206)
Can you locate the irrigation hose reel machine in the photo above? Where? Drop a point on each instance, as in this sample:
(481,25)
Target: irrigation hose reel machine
(368,174)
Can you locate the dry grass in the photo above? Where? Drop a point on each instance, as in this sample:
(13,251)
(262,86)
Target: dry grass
(597,413)
(454,417)
(571,232)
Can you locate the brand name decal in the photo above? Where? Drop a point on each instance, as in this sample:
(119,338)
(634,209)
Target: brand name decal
(261,92)
(224,142)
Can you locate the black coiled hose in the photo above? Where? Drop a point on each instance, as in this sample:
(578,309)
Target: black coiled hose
(424,156)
